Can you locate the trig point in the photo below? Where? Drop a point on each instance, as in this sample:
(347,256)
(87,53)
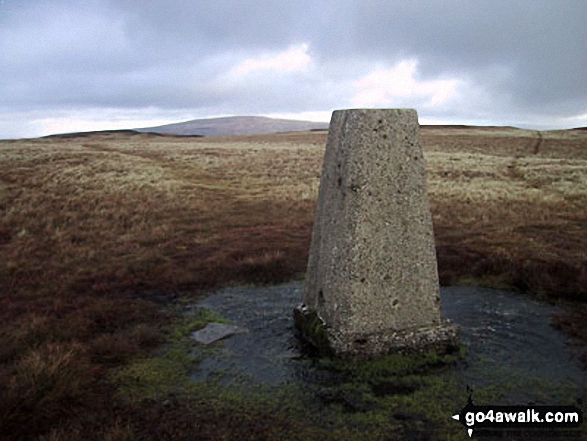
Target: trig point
(372,282)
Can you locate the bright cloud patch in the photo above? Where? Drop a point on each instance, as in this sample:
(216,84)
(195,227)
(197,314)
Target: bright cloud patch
(575,121)
(102,119)
(316,116)
(294,59)
(49,126)
(384,87)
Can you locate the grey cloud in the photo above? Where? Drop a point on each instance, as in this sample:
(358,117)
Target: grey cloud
(538,42)
(525,58)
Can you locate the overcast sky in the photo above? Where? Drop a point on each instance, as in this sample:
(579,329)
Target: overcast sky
(73,65)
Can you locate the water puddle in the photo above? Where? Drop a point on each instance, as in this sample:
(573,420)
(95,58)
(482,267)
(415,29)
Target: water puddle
(510,343)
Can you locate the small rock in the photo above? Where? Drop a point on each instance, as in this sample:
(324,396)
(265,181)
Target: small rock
(216,331)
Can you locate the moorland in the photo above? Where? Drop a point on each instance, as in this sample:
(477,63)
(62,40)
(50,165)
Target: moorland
(101,235)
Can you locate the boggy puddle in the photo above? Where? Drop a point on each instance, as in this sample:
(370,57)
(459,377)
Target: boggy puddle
(511,353)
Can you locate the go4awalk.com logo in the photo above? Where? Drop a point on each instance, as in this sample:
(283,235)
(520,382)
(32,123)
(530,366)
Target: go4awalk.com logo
(495,421)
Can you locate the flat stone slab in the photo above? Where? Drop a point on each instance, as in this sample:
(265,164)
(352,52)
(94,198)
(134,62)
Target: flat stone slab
(213,332)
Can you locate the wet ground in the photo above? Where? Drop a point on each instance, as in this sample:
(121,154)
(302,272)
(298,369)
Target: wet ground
(511,346)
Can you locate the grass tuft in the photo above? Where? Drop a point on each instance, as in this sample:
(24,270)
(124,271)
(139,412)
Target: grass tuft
(48,384)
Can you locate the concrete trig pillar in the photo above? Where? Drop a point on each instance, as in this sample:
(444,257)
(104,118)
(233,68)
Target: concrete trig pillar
(372,281)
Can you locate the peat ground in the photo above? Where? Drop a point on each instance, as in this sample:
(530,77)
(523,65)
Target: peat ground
(100,234)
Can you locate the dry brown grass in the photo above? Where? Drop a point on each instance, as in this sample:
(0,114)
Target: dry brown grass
(510,209)
(95,230)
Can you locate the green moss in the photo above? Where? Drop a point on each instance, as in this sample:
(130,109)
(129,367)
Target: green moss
(168,372)
(361,406)
(392,365)
(312,328)
(396,394)
(201,318)
(150,378)
(392,397)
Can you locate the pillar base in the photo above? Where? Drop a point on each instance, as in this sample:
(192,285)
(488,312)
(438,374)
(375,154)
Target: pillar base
(442,338)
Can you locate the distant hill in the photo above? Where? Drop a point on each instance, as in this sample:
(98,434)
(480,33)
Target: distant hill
(97,133)
(466,127)
(235,125)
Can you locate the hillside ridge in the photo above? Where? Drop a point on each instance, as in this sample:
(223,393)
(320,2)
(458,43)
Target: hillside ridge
(235,125)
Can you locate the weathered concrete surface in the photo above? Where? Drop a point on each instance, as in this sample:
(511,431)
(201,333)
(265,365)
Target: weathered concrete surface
(372,277)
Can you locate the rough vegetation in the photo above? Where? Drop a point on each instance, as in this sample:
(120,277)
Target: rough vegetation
(99,234)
